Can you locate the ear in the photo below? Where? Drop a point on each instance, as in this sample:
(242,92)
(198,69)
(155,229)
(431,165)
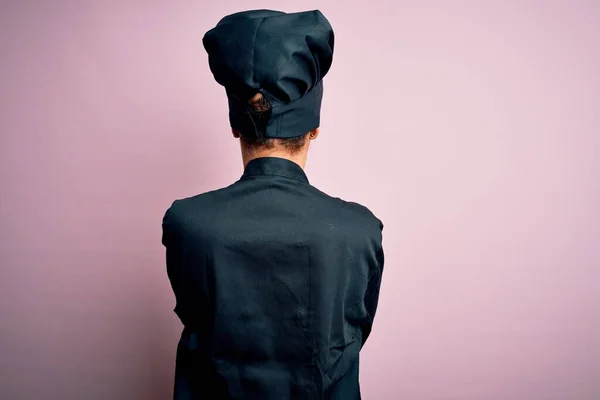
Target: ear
(236,133)
(314,134)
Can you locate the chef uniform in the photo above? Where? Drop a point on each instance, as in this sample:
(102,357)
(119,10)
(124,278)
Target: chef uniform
(276,283)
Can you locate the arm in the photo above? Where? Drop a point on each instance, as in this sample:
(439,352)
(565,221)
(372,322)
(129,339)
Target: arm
(185,268)
(171,241)
(371,298)
(193,369)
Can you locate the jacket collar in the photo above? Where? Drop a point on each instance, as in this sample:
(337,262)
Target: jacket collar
(274,166)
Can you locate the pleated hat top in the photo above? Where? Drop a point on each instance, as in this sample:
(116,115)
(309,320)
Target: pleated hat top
(284,56)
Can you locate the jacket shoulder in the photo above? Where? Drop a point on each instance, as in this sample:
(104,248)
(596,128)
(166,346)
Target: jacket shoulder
(181,209)
(356,210)
(353,212)
(363,211)
(205,198)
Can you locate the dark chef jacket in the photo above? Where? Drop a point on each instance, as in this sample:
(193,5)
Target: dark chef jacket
(276,284)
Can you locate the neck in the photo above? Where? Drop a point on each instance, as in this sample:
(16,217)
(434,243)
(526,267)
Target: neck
(299,158)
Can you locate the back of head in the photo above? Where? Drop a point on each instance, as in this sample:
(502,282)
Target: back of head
(272,64)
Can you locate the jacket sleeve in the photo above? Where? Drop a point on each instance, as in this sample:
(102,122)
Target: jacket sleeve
(172,243)
(371,298)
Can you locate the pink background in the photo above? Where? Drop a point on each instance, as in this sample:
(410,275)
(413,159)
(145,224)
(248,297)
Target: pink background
(472,129)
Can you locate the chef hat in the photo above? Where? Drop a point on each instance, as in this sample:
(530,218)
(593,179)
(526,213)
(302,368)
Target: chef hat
(284,56)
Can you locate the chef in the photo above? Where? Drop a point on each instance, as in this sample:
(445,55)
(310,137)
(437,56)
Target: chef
(276,282)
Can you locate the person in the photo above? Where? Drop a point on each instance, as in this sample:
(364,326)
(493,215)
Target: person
(276,283)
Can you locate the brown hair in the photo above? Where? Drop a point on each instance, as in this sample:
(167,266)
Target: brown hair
(261,107)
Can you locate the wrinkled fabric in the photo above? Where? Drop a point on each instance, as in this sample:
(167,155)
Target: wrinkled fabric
(276,284)
(285,56)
